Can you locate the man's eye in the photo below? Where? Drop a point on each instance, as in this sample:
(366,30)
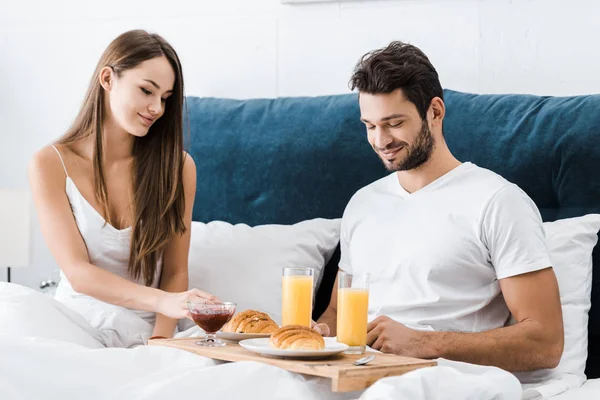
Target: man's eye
(147,92)
(370,127)
(396,125)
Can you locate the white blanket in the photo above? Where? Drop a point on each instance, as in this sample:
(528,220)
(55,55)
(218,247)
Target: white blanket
(42,341)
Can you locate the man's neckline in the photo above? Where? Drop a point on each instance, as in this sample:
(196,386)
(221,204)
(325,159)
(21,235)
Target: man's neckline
(430,185)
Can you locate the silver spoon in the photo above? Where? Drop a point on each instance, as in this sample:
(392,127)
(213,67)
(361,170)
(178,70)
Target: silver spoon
(364,360)
(359,362)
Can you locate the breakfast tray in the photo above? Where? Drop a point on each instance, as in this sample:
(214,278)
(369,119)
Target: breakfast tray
(345,377)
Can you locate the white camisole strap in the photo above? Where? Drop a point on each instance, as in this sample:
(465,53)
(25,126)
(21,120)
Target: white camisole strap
(61,160)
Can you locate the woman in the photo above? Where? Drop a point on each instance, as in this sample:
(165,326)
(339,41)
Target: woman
(114,195)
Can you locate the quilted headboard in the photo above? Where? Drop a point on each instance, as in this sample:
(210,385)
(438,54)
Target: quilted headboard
(289,159)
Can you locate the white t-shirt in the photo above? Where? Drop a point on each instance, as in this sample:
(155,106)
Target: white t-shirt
(435,256)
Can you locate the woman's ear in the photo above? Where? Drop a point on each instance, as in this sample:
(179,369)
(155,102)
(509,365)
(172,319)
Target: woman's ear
(106,78)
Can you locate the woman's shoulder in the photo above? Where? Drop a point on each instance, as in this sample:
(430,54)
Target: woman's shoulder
(189,166)
(46,165)
(189,170)
(188,160)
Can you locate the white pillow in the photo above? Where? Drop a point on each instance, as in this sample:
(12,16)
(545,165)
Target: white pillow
(570,243)
(243,264)
(25,312)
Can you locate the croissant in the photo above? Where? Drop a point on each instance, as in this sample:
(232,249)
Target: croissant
(251,321)
(297,337)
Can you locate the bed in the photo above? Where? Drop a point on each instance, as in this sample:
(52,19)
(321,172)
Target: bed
(274,176)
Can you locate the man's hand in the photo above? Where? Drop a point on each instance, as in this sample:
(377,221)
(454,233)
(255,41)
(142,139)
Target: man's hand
(322,328)
(535,342)
(388,336)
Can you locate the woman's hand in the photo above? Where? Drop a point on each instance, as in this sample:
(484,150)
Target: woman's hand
(174,305)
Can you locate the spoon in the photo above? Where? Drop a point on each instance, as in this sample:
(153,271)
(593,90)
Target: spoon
(359,362)
(364,360)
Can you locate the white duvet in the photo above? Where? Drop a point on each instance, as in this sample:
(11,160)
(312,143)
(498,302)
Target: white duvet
(48,351)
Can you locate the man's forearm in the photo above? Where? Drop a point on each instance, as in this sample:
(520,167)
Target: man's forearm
(525,346)
(329,317)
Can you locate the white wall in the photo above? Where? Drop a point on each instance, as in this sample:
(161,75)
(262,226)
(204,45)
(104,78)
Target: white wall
(261,48)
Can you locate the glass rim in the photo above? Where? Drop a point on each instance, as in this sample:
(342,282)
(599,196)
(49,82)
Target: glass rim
(200,304)
(354,274)
(359,280)
(298,271)
(298,268)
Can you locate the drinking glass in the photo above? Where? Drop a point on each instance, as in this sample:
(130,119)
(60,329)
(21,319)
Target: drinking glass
(353,311)
(297,296)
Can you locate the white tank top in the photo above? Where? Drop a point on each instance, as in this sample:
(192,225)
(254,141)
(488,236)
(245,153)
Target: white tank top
(107,247)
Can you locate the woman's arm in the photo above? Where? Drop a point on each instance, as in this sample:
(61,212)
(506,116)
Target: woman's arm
(47,181)
(174,276)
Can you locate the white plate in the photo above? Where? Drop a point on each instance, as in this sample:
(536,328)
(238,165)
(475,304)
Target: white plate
(241,336)
(262,346)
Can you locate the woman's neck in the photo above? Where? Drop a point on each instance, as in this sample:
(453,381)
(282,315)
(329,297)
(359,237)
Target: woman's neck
(117,143)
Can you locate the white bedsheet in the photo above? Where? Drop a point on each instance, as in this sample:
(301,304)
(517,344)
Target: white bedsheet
(42,341)
(589,391)
(38,368)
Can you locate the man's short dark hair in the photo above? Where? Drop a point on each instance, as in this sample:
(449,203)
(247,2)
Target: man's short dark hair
(398,66)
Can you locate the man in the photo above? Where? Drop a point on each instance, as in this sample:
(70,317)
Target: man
(452,249)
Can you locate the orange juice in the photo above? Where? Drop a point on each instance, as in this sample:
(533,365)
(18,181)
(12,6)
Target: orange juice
(296,293)
(352,314)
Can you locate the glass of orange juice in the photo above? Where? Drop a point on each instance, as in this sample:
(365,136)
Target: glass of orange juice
(297,296)
(352,311)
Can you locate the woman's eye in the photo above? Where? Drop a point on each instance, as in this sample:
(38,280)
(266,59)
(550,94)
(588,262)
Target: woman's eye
(147,92)
(163,99)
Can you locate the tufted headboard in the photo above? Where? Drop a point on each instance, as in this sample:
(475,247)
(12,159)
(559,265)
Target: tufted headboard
(289,159)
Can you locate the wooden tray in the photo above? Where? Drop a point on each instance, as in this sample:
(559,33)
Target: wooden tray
(344,376)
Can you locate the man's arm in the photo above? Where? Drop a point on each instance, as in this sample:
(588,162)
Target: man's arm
(329,317)
(534,342)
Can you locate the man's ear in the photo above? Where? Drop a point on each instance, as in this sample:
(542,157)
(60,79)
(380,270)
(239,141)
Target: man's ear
(106,78)
(437,111)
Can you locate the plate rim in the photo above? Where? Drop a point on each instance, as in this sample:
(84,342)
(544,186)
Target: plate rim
(295,353)
(224,335)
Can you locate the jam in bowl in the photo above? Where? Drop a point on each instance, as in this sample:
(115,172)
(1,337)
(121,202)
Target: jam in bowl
(211,317)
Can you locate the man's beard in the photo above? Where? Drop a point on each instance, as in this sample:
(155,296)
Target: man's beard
(417,154)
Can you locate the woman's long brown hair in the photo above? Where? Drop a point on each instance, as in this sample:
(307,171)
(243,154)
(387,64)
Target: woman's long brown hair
(157,170)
